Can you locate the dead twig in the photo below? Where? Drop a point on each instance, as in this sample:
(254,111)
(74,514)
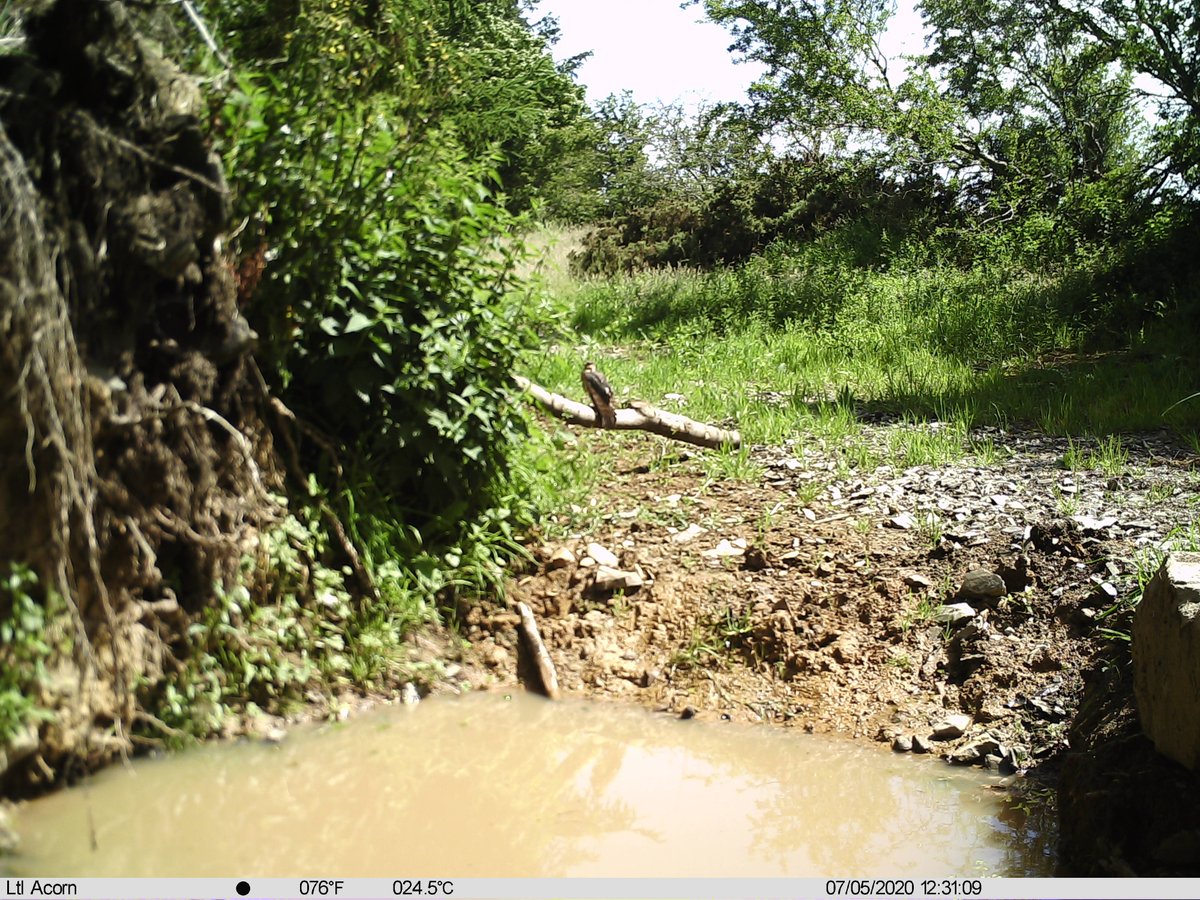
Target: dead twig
(541,656)
(638,416)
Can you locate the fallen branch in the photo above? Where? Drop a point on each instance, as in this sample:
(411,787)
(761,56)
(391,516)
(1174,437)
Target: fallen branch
(638,416)
(541,657)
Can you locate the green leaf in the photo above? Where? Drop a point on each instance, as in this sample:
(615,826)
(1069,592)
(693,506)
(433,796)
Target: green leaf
(358,322)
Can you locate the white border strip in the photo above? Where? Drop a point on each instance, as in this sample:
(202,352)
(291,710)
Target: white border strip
(598,888)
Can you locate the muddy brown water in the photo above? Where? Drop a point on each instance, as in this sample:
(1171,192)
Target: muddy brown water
(511,785)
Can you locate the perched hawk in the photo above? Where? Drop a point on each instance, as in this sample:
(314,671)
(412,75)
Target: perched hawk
(600,392)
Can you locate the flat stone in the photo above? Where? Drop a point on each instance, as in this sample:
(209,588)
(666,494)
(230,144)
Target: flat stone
(977,751)
(987,746)
(963,756)
(10,842)
(904,521)
(611,579)
(917,581)
(1180,849)
(902,744)
(1090,523)
(690,533)
(20,746)
(951,727)
(954,613)
(602,555)
(723,550)
(921,744)
(982,584)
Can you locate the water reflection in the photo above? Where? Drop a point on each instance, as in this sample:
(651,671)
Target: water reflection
(485,786)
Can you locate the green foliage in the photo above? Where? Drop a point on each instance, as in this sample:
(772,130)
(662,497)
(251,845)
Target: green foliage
(825,75)
(10,22)
(770,344)
(730,213)
(290,627)
(371,178)
(29,618)
(512,96)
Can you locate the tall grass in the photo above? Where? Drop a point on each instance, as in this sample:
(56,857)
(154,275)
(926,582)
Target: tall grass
(771,343)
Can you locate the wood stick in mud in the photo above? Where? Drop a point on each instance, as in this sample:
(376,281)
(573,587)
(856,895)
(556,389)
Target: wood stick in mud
(541,657)
(638,416)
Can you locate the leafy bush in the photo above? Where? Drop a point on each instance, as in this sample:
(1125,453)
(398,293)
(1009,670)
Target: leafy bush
(788,200)
(389,308)
(27,624)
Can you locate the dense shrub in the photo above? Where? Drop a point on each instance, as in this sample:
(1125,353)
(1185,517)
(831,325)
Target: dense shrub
(789,200)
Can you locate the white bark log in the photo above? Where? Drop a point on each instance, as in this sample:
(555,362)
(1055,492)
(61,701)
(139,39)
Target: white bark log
(638,416)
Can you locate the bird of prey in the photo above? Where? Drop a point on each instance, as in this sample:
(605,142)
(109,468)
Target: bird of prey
(600,392)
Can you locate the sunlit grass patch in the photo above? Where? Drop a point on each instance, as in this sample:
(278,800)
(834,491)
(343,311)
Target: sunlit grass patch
(757,349)
(929,444)
(1110,456)
(730,464)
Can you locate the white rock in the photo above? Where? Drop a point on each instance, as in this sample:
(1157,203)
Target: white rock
(561,558)
(954,613)
(1089,523)
(690,533)
(951,727)
(602,555)
(611,579)
(722,550)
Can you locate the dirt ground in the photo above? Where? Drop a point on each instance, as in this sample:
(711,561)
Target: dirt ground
(812,600)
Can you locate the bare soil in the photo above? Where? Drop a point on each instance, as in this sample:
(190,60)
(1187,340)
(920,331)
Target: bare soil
(823,615)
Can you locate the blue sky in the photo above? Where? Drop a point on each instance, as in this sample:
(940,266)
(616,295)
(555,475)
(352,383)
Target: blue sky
(662,52)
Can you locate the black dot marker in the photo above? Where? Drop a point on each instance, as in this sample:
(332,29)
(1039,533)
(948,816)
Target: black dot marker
(243,888)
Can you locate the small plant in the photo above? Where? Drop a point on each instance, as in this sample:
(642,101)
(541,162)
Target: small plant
(25,646)
(1067,504)
(930,529)
(809,491)
(860,456)
(898,659)
(845,397)
(702,647)
(729,464)
(766,521)
(986,451)
(834,422)
(1057,417)
(1160,491)
(924,612)
(1110,456)
(1073,457)
(734,626)
(920,444)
